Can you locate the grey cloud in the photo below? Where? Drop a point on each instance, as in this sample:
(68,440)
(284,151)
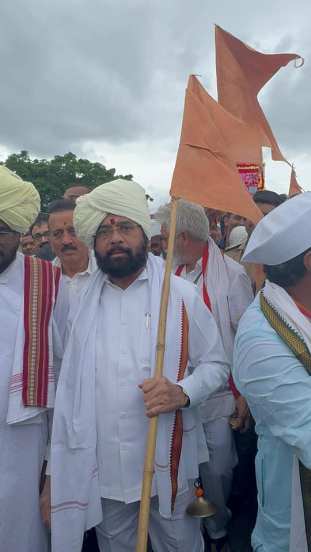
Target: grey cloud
(116,70)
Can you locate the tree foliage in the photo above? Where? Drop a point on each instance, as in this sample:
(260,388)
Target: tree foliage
(52,177)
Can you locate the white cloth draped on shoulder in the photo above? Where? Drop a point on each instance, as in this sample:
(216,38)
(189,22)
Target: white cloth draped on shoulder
(76,503)
(218,286)
(218,283)
(287,309)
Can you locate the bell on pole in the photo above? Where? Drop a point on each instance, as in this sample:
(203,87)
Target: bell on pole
(200,507)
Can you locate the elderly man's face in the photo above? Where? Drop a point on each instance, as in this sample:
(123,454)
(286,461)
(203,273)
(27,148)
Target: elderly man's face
(9,243)
(181,249)
(120,247)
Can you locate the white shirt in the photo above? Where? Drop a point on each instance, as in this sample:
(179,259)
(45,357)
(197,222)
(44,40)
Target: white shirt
(78,281)
(123,347)
(70,291)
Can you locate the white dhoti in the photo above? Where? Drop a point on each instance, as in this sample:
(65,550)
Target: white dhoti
(118,530)
(22,454)
(23,431)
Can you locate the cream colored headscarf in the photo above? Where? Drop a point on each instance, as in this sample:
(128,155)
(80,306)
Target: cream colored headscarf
(19,201)
(119,197)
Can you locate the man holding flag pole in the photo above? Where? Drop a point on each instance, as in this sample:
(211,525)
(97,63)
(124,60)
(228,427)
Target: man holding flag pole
(109,388)
(148,329)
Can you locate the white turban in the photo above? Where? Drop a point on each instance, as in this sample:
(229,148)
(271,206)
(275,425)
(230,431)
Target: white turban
(19,201)
(120,197)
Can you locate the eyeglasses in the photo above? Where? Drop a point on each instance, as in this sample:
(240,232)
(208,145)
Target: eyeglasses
(124,228)
(39,236)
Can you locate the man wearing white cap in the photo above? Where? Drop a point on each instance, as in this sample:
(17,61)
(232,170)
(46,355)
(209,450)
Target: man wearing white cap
(106,391)
(27,296)
(156,240)
(236,243)
(272,367)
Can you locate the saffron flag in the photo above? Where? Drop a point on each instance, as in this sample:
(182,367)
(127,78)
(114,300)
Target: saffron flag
(205,170)
(294,187)
(241,74)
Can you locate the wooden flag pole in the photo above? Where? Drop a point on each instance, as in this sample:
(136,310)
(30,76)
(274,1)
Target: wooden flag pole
(143,521)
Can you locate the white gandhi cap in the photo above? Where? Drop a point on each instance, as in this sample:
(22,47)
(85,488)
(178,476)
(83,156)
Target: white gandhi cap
(282,234)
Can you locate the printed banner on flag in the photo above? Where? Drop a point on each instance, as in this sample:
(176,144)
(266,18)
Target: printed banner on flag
(252,176)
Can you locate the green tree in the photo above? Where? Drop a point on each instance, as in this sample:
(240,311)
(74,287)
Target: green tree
(52,177)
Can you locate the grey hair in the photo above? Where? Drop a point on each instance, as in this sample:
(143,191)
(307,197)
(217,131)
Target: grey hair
(191,218)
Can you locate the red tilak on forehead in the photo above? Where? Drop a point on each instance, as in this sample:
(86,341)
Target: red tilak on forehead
(112,220)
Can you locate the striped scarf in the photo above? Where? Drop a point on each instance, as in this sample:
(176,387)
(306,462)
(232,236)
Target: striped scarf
(41,282)
(32,382)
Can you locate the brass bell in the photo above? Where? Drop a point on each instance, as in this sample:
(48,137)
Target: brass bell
(200,507)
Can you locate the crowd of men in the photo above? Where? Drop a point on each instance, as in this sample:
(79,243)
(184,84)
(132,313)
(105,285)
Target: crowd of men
(80,292)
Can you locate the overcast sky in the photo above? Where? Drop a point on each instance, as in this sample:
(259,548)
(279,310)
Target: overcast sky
(105,79)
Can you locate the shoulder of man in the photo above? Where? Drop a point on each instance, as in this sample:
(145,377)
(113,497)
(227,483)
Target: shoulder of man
(233,266)
(253,322)
(184,287)
(43,271)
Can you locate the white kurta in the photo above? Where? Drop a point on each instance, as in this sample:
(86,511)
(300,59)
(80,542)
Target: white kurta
(99,423)
(123,345)
(22,445)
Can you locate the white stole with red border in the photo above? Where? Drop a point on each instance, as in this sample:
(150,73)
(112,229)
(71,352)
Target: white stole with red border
(32,383)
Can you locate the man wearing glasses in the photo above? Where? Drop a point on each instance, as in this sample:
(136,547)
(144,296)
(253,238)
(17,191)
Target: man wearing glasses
(107,392)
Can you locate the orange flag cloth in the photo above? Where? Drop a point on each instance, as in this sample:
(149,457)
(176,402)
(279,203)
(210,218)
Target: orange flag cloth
(294,187)
(241,74)
(205,170)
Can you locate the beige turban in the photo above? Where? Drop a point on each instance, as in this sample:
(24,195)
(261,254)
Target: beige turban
(120,197)
(19,201)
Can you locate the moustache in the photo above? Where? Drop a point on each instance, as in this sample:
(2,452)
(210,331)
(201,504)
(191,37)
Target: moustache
(118,250)
(68,248)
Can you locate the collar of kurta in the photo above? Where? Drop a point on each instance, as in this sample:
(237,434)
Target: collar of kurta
(91,267)
(142,276)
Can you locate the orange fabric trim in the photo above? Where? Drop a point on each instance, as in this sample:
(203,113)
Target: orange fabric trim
(177,436)
(303,309)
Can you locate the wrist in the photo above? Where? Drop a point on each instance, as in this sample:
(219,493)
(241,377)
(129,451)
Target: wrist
(185,398)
